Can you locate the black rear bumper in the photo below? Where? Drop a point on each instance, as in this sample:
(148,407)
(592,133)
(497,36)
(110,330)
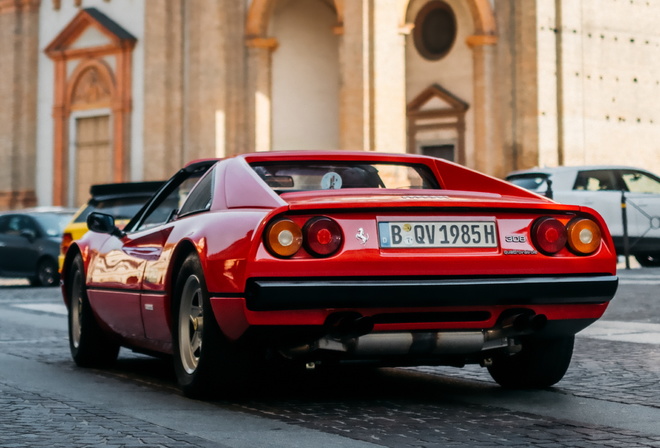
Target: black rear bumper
(302,294)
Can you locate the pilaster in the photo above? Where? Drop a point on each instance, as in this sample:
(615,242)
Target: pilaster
(19,45)
(163,86)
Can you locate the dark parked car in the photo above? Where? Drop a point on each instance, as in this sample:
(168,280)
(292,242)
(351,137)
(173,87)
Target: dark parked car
(30,243)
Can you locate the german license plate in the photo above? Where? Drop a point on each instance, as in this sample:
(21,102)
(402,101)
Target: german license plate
(428,234)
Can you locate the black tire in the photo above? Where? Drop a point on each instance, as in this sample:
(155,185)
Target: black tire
(540,364)
(46,274)
(648,260)
(90,346)
(205,362)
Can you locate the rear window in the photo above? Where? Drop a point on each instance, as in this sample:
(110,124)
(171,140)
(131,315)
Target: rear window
(318,175)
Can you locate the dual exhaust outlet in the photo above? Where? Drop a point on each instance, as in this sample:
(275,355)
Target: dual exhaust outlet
(351,333)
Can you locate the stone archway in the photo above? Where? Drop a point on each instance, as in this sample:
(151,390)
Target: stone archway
(273,114)
(258,16)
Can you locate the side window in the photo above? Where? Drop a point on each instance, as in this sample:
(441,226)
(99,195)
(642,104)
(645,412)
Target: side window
(167,207)
(4,224)
(637,182)
(14,225)
(596,180)
(27,223)
(200,197)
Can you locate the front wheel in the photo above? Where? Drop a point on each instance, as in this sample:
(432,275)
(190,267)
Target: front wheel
(204,360)
(90,346)
(540,364)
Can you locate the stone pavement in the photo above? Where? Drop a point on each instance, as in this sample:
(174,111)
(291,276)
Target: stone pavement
(403,418)
(421,407)
(34,420)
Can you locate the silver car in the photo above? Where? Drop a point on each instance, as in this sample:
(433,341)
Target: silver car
(604,188)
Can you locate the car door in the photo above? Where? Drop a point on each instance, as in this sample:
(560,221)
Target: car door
(7,240)
(18,244)
(598,189)
(116,278)
(643,203)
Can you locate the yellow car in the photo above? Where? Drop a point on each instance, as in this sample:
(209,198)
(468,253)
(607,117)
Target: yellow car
(122,200)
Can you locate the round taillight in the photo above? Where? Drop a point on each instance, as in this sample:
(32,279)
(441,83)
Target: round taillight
(583,236)
(549,235)
(323,236)
(283,238)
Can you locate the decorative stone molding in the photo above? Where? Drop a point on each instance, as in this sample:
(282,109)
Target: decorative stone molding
(421,117)
(90,89)
(478,40)
(91,85)
(9,6)
(269,43)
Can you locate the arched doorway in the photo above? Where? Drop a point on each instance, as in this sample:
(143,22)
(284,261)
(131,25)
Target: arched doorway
(90,146)
(295,55)
(451,44)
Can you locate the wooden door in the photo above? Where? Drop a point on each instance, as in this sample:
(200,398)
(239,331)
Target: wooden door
(93,159)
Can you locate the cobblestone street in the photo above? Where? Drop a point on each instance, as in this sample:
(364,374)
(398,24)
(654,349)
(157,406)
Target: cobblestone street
(609,397)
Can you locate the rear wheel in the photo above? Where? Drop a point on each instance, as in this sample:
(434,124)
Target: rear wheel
(541,363)
(90,346)
(204,360)
(649,260)
(46,274)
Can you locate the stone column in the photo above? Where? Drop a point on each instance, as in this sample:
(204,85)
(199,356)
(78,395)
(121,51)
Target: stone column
(19,47)
(356,72)
(372,61)
(488,156)
(517,83)
(259,90)
(163,88)
(389,81)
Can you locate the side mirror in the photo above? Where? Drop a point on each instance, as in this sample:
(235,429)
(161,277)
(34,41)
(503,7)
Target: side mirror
(102,223)
(30,234)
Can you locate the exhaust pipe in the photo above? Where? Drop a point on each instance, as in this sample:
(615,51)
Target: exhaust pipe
(352,334)
(348,325)
(523,323)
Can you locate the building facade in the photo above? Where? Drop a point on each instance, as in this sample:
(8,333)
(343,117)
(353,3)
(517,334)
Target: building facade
(97,91)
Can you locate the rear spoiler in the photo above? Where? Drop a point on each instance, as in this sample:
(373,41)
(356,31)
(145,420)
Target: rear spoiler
(123,189)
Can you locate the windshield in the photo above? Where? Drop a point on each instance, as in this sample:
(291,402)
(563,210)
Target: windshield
(53,223)
(533,182)
(319,175)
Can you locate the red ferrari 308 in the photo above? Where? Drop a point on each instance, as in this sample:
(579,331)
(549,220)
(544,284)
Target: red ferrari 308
(329,258)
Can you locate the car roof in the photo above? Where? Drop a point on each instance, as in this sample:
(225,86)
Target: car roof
(571,169)
(40,209)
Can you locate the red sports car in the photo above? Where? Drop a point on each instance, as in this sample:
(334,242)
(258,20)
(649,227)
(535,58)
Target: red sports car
(328,258)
